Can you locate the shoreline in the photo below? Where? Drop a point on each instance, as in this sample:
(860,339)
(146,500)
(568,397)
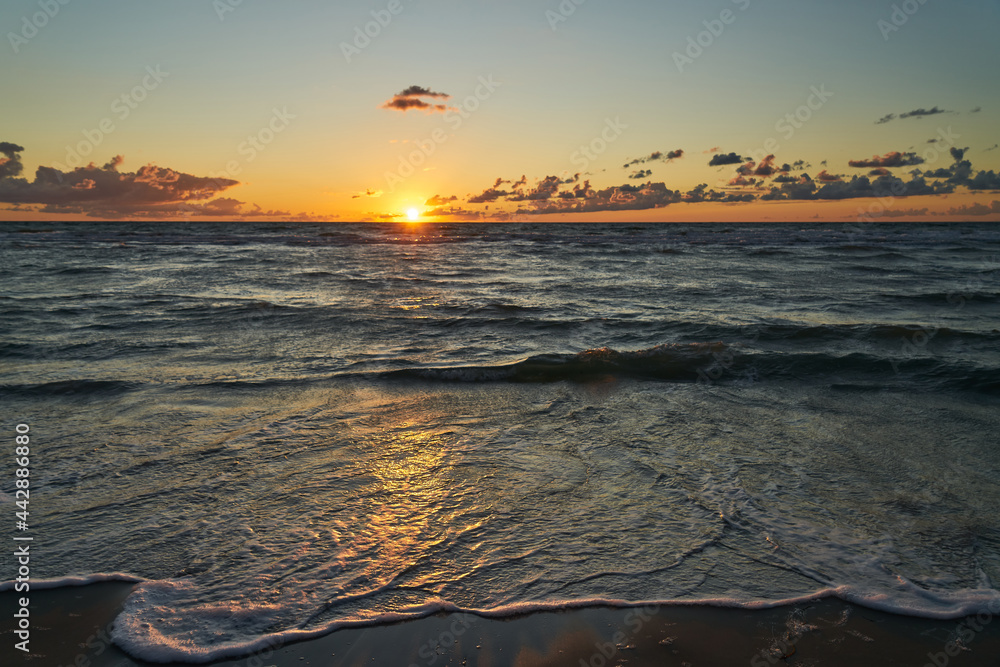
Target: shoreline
(70,626)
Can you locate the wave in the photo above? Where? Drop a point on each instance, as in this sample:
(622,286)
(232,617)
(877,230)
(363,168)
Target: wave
(708,363)
(82,580)
(665,362)
(70,387)
(155,598)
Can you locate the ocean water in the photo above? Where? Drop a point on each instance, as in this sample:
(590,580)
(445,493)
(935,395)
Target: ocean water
(281,429)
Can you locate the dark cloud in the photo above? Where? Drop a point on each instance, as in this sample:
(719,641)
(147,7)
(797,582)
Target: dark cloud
(544,189)
(976,110)
(903,213)
(438,200)
(617,198)
(892,159)
(919,113)
(766,167)
(976,209)
(642,173)
(488,195)
(742,181)
(368,193)
(824,177)
(104,192)
(10,164)
(991,148)
(958,153)
(881,171)
(984,180)
(724,159)
(916,113)
(856,188)
(456,212)
(411,99)
(658,156)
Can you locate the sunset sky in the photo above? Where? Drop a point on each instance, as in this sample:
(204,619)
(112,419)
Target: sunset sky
(498,109)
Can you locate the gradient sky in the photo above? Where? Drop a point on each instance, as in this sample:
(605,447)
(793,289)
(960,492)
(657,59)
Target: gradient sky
(329,148)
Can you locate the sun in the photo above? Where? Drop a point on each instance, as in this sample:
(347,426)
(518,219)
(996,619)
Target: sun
(413,214)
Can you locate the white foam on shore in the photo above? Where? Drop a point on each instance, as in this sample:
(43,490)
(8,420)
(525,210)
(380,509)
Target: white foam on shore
(208,627)
(65,582)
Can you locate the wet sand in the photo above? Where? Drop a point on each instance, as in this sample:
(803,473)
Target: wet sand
(70,626)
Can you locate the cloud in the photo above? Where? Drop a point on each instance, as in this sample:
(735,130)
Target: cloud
(554,194)
(658,156)
(724,159)
(916,113)
(742,181)
(991,148)
(488,195)
(976,110)
(642,173)
(411,99)
(617,198)
(368,193)
(438,200)
(766,167)
(10,164)
(904,213)
(892,159)
(456,212)
(984,180)
(544,189)
(835,188)
(976,209)
(104,192)
(713,149)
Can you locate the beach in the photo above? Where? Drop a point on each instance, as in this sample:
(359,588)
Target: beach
(73,626)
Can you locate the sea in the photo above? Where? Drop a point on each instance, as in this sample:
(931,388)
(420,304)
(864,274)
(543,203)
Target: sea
(281,429)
